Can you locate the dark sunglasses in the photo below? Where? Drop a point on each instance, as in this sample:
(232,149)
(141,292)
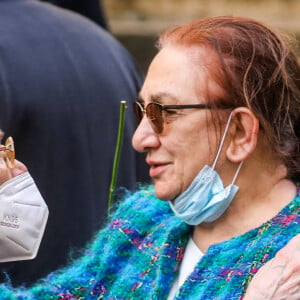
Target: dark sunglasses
(154,112)
(9,152)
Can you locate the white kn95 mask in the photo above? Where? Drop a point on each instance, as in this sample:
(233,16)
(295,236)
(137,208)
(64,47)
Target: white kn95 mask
(23,218)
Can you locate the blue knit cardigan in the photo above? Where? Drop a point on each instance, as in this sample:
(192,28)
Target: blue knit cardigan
(137,256)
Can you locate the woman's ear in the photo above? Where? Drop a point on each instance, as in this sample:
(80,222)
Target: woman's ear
(243,134)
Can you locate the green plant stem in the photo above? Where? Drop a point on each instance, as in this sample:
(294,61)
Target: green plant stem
(117,154)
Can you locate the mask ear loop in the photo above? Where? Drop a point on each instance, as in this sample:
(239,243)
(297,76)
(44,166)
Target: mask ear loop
(222,141)
(220,148)
(237,172)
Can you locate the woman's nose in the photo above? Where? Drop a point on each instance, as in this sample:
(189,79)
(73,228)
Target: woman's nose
(144,137)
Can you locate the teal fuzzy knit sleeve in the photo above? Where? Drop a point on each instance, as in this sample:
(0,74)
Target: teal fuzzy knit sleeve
(90,276)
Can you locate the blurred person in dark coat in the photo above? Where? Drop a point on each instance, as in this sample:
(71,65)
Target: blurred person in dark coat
(92,9)
(61,82)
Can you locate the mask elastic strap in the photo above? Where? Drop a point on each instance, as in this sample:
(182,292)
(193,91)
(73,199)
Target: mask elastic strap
(237,172)
(220,148)
(222,141)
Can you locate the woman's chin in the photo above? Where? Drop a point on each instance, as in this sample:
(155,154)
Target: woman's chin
(162,192)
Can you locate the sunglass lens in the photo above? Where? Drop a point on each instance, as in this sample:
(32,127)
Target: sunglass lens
(154,114)
(9,153)
(9,158)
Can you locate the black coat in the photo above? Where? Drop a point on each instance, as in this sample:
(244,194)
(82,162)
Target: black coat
(61,82)
(91,9)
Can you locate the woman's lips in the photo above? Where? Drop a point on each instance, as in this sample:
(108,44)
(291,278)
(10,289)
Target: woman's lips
(156,169)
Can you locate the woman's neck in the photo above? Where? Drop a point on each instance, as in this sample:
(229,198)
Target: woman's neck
(260,197)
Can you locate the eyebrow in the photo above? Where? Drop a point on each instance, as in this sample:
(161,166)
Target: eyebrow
(159,98)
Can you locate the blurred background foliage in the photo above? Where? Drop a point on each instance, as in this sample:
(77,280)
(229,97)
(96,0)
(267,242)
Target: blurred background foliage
(137,23)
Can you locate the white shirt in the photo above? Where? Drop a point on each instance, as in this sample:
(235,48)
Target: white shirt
(191,257)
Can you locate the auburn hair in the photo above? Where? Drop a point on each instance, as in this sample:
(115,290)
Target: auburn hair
(258,69)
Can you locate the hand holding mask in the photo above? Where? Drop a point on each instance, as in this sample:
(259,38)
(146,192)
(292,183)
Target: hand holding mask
(23,211)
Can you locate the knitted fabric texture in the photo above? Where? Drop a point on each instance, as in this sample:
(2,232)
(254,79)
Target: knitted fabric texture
(137,256)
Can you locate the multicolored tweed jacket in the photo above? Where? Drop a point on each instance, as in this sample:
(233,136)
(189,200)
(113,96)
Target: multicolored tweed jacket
(138,254)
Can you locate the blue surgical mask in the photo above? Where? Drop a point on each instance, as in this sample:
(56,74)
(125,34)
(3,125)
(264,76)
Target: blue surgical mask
(206,199)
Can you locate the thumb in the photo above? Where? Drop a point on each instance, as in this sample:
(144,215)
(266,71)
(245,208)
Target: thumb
(18,169)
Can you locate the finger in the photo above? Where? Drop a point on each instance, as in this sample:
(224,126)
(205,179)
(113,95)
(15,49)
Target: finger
(265,282)
(5,173)
(18,169)
(289,258)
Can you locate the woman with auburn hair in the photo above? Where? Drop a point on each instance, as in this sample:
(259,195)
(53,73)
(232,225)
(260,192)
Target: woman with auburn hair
(219,116)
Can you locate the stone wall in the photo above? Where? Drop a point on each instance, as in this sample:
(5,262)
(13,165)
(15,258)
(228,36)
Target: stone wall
(136,23)
(151,16)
